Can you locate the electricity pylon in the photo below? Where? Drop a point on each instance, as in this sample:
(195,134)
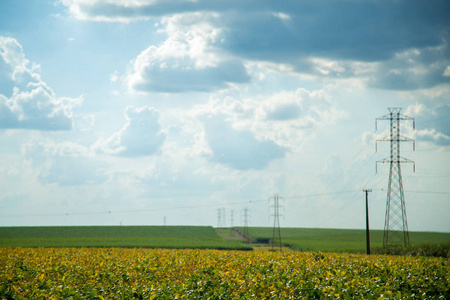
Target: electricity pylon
(231,222)
(246,219)
(224,220)
(395,224)
(276,236)
(219,218)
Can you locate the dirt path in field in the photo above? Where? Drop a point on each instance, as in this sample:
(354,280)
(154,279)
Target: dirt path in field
(244,237)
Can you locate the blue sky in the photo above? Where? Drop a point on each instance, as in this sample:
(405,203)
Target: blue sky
(129,112)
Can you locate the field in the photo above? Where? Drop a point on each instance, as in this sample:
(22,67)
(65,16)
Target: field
(123,273)
(339,240)
(116,236)
(204,237)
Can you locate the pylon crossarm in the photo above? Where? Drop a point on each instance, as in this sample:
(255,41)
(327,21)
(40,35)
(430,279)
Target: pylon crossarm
(385,117)
(405,160)
(405,139)
(405,117)
(408,161)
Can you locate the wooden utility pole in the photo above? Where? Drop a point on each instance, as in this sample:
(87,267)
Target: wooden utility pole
(367,222)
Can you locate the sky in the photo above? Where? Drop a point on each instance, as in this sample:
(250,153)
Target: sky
(153,112)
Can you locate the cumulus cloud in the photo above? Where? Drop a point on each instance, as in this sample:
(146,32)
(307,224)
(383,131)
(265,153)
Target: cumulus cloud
(431,122)
(335,39)
(431,135)
(413,69)
(186,61)
(32,105)
(239,148)
(140,136)
(250,133)
(288,118)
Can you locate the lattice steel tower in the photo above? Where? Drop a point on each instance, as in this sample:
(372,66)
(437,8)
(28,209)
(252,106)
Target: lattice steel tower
(246,218)
(276,237)
(395,224)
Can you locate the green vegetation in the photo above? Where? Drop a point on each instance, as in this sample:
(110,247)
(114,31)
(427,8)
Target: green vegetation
(435,250)
(198,237)
(116,236)
(344,240)
(121,273)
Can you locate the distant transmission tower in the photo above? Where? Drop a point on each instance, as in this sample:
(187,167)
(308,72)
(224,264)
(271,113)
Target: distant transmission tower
(231,218)
(246,219)
(224,220)
(276,237)
(219,217)
(395,224)
(231,222)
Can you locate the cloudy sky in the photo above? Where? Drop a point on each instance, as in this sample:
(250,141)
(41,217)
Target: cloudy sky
(135,111)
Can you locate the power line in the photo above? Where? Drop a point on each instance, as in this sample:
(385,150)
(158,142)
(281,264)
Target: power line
(132,211)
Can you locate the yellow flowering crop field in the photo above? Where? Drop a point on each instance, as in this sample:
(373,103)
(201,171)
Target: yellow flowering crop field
(121,273)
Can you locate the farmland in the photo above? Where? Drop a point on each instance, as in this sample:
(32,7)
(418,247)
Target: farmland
(123,273)
(201,237)
(116,236)
(339,240)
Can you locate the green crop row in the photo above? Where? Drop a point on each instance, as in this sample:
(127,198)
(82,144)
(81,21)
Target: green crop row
(198,237)
(344,240)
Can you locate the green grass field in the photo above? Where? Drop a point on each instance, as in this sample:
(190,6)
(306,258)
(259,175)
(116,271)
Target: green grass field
(200,237)
(339,240)
(116,236)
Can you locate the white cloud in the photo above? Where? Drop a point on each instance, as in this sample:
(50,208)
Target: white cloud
(431,135)
(187,61)
(431,121)
(289,118)
(282,16)
(413,69)
(416,109)
(12,53)
(140,136)
(33,105)
(120,10)
(446,72)
(341,40)
(250,133)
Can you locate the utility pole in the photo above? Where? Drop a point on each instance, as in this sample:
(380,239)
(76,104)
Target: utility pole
(367,222)
(276,236)
(395,225)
